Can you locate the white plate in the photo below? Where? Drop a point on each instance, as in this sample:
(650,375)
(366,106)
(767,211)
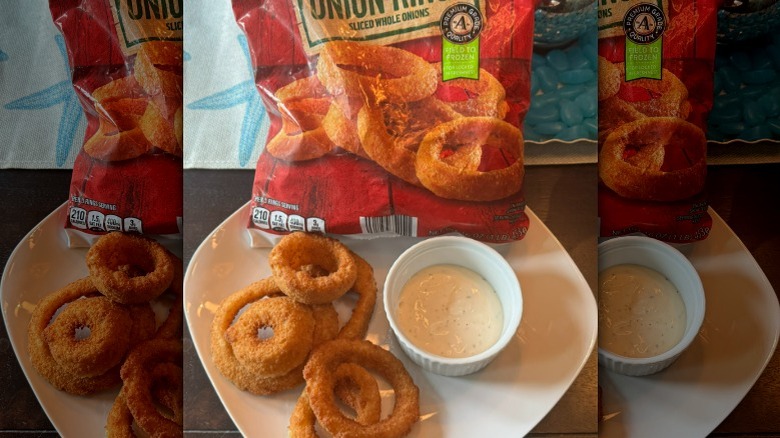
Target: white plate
(41,264)
(508,398)
(739,334)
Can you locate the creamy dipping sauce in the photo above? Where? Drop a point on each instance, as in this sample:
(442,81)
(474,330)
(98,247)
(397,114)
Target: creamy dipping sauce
(450,311)
(641,313)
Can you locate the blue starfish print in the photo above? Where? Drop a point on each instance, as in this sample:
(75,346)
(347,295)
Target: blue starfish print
(59,93)
(244,92)
(3,56)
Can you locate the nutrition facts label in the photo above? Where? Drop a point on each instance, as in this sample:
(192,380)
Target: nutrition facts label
(279,221)
(97,221)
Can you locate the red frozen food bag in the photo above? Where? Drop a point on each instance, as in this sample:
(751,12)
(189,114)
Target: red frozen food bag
(126,64)
(390,118)
(656,64)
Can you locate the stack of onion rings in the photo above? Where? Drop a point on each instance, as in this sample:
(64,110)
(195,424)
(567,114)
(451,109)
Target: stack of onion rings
(345,375)
(469,183)
(313,264)
(81,348)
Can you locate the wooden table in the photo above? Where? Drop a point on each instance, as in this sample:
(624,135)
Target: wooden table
(562,196)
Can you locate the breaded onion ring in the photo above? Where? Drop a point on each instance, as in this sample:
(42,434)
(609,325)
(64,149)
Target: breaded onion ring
(321,383)
(355,386)
(326,323)
(102,349)
(167,393)
(655,159)
(357,70)
(300,249)
(143,323)
(481,97)
(112,251)
(40,355)
(365,287)
(222,354)
(293,330)
(469,183)
(391,132)
(137,377)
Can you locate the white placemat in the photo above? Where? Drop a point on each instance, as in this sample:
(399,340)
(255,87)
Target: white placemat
(225,124)
(41,122)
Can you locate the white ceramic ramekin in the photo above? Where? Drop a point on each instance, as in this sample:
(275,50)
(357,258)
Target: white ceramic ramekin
(663,258)
(470,254)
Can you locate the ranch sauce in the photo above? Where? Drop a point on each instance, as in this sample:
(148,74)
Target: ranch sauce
(641,313)
(450,311)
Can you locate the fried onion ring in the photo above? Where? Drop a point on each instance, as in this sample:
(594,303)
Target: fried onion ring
(321,383)
(102,349)
(355,386)
(167,393)
(326,323)
(113,250)
(481,97)
(357,69)
(469,183)
(655,158)
(222,354)
(391,132)
(293,330)
(300,249)
(365,287)
(144,323)
(40,354)
(137,375)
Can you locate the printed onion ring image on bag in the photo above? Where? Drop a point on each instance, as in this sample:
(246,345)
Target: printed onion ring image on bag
(656,65)
(352,108)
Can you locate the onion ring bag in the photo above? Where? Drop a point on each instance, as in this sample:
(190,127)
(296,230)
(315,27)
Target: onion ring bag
(126,66)
(656,76)
(376,81)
